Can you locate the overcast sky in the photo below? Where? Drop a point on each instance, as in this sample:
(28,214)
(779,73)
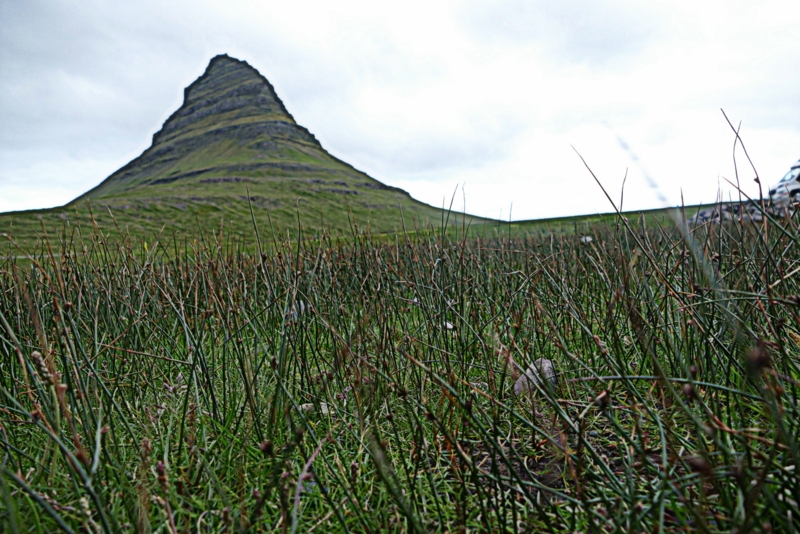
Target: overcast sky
(485,95)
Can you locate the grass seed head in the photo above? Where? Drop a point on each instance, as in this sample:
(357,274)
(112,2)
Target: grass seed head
(353,471)
(700,465)
(161,471)
(688,392)
(41,367)
(602,400)
(736,471)
(758,358)
(145,448)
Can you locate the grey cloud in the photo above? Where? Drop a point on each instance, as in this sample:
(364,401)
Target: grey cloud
(771,103)
(424,154)
(488,136)
(593,32)
(81,81)
(577,115)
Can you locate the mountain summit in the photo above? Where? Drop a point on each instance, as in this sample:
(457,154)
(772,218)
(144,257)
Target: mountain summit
(231,128)
(232,145)
(233,105)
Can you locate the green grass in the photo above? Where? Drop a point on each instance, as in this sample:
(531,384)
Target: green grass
(278,206)
(364,384)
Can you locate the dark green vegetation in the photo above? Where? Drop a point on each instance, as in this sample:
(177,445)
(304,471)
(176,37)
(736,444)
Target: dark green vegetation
(231,144)
(367,385)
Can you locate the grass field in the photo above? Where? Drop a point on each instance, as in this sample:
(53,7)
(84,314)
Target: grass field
(365,384)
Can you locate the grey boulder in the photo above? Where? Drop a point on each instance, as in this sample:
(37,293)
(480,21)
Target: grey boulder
(539,371)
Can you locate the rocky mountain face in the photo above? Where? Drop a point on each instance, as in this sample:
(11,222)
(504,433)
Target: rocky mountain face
(230,103)
(231,90)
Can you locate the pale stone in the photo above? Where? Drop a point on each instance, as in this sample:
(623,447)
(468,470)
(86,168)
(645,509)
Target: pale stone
(541,369)
(309,407)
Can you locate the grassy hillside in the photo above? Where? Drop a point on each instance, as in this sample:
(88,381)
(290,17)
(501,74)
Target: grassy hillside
(147,224)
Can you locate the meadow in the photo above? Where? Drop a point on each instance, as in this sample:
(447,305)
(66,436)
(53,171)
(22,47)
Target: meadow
(362,384)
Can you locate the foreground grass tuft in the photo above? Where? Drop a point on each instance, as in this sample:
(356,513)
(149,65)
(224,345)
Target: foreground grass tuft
(368,385)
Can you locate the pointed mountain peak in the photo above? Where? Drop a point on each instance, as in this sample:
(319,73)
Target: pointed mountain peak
(229,113)
(229,91)
(225,57)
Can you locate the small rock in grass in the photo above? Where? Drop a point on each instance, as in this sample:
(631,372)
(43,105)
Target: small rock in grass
(540,370)
(586,239)
(323,408)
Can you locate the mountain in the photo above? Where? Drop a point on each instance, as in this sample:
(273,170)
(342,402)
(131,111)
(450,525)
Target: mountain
(233,144)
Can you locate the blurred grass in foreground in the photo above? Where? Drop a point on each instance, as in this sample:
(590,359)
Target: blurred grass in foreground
(366,384)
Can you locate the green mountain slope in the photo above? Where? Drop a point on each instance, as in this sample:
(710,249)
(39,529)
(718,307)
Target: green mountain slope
(230,145)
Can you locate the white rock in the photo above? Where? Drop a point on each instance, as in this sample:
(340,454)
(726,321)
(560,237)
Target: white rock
(538,369)
(323,408)
(586,239)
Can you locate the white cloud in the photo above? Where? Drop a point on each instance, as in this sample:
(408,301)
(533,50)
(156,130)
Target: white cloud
(422,95)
